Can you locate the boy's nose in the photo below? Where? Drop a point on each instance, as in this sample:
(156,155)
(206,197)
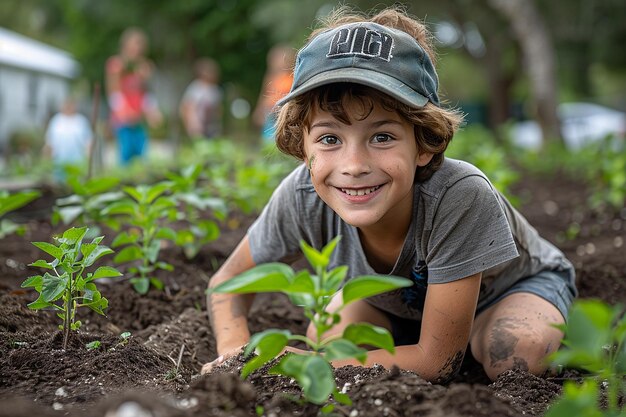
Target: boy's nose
(356,162)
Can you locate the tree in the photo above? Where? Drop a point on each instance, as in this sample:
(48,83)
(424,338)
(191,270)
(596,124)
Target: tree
(539,60)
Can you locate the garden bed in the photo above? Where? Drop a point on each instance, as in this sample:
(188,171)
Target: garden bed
(156,368)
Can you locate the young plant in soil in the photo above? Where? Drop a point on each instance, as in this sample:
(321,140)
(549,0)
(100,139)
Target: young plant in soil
(595,342)
(68,286)
(312,370)
(142,211)
(194,202)
(89,197)
(10,202)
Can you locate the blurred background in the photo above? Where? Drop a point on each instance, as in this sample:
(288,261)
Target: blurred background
(525,72)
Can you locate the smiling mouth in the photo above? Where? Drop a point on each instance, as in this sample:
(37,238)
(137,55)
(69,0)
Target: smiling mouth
(360,191)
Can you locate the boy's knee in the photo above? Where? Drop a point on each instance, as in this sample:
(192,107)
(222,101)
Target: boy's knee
(514,345)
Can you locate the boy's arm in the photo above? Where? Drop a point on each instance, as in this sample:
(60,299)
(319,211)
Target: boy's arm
(446,326)
(228,313)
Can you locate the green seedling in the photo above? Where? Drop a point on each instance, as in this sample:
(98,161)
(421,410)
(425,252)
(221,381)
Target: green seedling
(595,342)
(10,202)
(194,203)
(85,205)
(93,345)
(67,286)
(312,370)
(142,211)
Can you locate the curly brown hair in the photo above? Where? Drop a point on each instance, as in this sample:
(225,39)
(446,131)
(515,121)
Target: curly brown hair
(434,126)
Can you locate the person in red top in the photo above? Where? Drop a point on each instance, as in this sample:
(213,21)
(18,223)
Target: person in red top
(276,84)
(127,77)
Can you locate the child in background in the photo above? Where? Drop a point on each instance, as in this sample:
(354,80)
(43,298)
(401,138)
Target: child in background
(365,117)
(127,80)
(201,106)
(68,139)
(276,84)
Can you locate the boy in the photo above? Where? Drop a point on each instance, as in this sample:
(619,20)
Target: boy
(365,117)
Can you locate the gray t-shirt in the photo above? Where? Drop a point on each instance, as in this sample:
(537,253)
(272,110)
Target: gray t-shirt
(460,226)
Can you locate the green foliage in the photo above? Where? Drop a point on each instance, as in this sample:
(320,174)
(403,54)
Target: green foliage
(142,211)
(595,341)
(66,286)
(602,165)
(10,202)
(86,203)
(477,145)
(313,292)
(194,200)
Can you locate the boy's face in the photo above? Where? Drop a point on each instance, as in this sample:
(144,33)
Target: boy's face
(364,170)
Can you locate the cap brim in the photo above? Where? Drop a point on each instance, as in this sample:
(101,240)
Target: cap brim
(386,84)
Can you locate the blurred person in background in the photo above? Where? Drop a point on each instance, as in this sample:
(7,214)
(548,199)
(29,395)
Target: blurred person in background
(276,84)
(127,83)
(201,106)
(68,139)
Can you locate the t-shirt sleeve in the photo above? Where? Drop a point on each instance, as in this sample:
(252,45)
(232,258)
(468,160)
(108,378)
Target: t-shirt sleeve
(470,232)
(276,233)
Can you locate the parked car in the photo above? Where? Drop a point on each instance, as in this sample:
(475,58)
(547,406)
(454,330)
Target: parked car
(581,123)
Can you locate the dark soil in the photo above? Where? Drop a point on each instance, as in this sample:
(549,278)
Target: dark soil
(155,372)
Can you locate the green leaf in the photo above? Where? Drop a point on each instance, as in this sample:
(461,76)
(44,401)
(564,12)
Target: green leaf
(369,285)
(156,283)
(99,305)
(124,238)
(17,200)
(164,265)
(53,286)
(315,258)
(96,254)
(328,250)
(50,249)
(39,303)
(35,282)
(128,254)
(140,284)
(166,233)
(42,264)
(270,277)
(105,272)
(73,235)
(335,278)
(126,207)
(313,374)
(366,334)
(302,283)
(343,349)
(588,326)
(70,213)
(156,190)
(267,345)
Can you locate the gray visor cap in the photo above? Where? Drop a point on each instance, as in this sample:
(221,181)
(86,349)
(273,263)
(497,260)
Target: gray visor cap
(366,53)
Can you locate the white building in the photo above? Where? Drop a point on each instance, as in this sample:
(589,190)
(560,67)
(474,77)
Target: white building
(34,80)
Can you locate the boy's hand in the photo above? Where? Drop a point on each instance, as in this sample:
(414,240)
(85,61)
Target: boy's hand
(208,367)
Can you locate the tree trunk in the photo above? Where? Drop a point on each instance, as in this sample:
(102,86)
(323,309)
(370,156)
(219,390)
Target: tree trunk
(539,60)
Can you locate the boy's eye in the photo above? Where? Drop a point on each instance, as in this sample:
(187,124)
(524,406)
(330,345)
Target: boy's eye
(329,140)
(381,138)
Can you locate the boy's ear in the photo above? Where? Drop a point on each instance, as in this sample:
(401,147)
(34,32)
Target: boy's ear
(423,159)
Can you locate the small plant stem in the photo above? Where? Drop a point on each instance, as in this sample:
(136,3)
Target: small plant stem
(66,321)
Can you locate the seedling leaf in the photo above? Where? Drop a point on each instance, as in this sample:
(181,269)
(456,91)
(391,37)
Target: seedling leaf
(369,285)
(50,249)
(267,345)
(343,349)
(271,277)
(313,374)
(366,334)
